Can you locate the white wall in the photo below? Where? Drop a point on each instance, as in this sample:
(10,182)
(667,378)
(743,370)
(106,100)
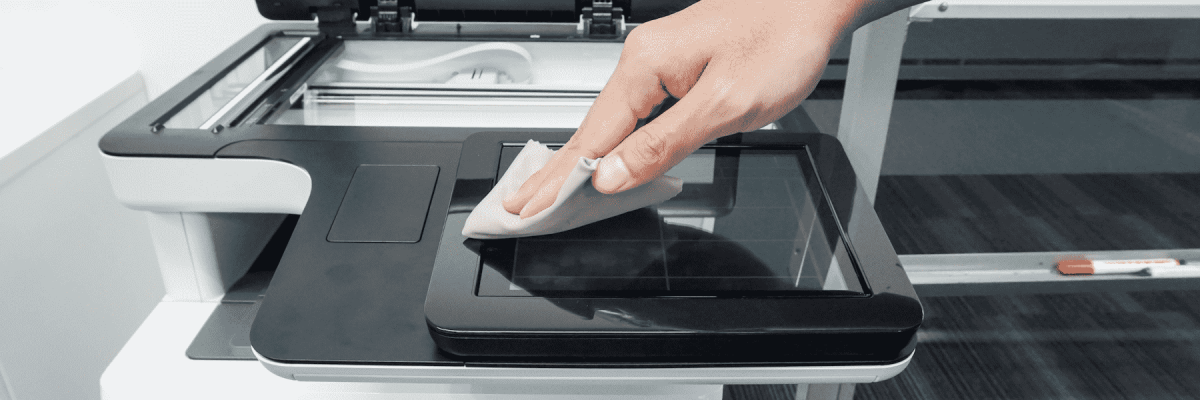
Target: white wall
(178,36)
(174,37)
(77,270)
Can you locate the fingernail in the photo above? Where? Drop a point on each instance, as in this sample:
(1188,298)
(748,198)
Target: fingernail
(525,211)
(611,174)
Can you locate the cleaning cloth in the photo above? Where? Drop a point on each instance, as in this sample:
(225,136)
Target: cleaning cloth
(577,204)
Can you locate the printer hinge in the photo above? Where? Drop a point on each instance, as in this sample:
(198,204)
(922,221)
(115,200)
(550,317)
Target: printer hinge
(335,20)
(602,19)
(388,16)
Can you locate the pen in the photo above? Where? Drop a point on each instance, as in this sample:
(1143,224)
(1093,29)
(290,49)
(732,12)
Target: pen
(1155,267)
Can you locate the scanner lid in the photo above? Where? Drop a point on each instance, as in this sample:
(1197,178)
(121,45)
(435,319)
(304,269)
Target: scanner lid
(567,11)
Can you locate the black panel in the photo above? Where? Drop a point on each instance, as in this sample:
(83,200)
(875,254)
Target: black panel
(499,15)
(750,223)
(304,9)
(350,302)
(750,327)
(475,10)
(556,5)
(385,204)
(334,303)
(647,10)
(712,199)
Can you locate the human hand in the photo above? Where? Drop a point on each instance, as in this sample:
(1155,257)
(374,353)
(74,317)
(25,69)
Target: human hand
(735,66)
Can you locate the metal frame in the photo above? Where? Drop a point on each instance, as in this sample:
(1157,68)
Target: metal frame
(870,90)
(980,274)
(875,52)
(582,376)
(1056,9)
(257,86)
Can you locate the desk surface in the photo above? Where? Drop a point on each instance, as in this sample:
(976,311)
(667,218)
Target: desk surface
(153,365)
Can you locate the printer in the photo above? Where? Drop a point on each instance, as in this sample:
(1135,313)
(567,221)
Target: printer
(307,191)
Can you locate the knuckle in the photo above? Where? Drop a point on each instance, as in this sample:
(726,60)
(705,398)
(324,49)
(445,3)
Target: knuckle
(641,37)
(570,147)
(647,101)
(572,151)
(653,149)
(741,111)
(649,46)
(678,84)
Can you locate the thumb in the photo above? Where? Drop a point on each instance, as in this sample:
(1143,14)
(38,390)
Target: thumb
(703,114)
(648,154)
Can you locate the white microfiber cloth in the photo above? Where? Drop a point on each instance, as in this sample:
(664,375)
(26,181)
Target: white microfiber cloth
(577,204)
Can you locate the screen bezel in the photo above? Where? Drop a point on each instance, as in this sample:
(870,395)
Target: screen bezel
(453,309)
(715,199)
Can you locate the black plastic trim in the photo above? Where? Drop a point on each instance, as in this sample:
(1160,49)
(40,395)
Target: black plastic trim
(472,326)
(510,11)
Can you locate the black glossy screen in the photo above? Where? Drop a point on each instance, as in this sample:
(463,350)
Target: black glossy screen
(749,222)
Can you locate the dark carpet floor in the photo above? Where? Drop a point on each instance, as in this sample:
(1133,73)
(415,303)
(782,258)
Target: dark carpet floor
(1109,345)
(1140,345)
(1020,213)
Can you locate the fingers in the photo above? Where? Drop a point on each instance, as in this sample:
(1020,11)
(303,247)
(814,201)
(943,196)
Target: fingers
(613,115)
(630,94)
(546,191)
(514,202)
(729,78)
(714,108)
(648,72)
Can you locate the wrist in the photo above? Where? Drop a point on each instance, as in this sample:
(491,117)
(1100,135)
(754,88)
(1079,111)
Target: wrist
(826,22)
(841,17)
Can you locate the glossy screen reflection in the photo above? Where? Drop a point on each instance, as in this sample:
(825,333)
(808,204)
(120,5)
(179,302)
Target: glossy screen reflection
(747,221)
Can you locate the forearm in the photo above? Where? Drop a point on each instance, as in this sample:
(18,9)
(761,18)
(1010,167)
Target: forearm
(734,65)
(843,17)
(870,10)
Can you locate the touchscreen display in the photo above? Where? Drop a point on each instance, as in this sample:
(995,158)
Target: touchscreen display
(749,222)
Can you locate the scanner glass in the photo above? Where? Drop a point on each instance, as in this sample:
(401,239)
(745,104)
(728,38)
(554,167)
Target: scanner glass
(500,84)
(455,83)
(748,221)
(237,80)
